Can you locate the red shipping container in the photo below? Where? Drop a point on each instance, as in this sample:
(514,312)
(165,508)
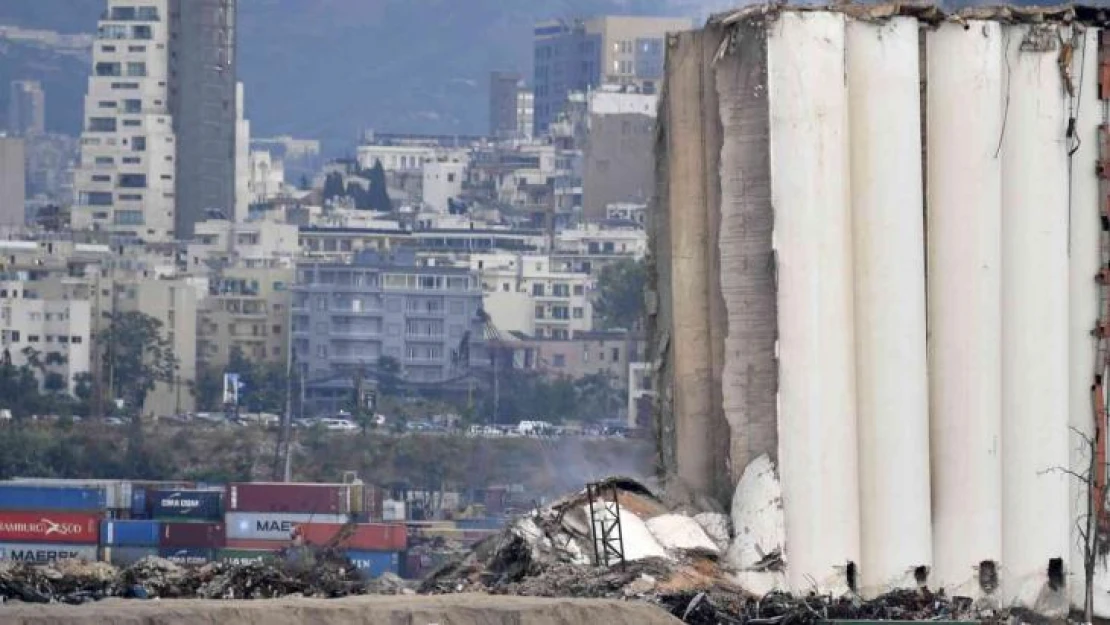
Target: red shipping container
(242,544)
(286,497)
(366,537)
(49,527)
(207,535)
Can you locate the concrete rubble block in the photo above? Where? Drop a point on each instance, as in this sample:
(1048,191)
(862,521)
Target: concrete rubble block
(718,526)
(678,532)
(757,518)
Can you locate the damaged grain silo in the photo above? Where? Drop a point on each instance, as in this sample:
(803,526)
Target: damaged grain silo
(875,247)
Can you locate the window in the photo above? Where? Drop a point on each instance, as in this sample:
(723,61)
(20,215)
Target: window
(108,69)
(132,160)
(132,106)
(132,181)
(63,339)
(76,340)
(101,178)
(138,144)
(559,360)
(131,123)
(450,177)
(537,289)
(34,338)
(136,48)
(107,48)
(106,104)
(561,290)
(102,124)
(616,355)
(142,32)
(128,218)
(131,197)
(125,85)
(104,160)
(122,14)
(147,14)
(136,69)
(112,31)
(579,289)
(539,312)
(97,198)
(578,312)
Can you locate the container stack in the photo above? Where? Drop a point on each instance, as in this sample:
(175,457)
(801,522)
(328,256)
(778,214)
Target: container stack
(191,523)
(374,548)
(261,516)
(125,542)
(44,523)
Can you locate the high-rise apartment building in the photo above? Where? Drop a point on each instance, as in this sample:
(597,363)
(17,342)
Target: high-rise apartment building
(204,104)
(581,55)
(503,104)
(125,183)
(13,190)
(26,108)
(158,147)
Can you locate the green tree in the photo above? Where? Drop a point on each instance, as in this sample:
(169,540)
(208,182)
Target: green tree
(265,384)
(378,198)
(138,356)
(333,186)
(620,302)
(389,375)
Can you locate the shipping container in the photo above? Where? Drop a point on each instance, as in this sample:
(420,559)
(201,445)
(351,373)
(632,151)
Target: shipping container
(366,537)
(136,533)
(49,527)
(198,535)
(117,493)
(14,496)
(241,557)
(372,498)
(246,544)
(126,556)
(480,524)
(187,556)
(186,505)
(301,498)
(272,525)
(371,564)
(41,553)
(138,503)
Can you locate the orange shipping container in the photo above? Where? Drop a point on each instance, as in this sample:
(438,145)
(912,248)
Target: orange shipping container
(366,537)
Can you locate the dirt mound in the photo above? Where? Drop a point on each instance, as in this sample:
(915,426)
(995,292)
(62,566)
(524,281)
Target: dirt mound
(462,609)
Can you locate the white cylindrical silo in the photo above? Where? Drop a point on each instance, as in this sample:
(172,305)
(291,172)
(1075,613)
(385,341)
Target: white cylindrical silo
(1035,510)
(887,222)
(1083,307)
(963,222)
(808,104)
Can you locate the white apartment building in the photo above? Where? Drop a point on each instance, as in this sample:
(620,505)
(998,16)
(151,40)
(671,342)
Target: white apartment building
(244,170)
(395,157)
(600,243)
(55,334)
(125,181)
(560,299)
(265,177)
(442,182)
(256,244)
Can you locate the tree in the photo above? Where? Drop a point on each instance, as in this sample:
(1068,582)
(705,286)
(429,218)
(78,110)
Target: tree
(389,375)
(304,186)
(620,303)
(379,190)
(360,196)
(333,186)
(137,357)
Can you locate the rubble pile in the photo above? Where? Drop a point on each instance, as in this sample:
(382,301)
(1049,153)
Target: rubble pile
(689,562)
(75,582)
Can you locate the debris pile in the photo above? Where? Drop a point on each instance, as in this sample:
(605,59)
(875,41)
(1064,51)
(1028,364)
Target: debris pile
(75,581)
(690,563)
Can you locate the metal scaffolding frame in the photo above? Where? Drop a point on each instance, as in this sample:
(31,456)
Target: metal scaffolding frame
(605,523)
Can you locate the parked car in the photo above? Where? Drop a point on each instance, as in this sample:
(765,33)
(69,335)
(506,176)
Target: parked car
(340,425)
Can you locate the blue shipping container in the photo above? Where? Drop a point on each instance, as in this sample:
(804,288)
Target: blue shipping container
(186,505)
(183,556)
(371,564)
(130,533)
(480,524)
(138,503)
(41,498)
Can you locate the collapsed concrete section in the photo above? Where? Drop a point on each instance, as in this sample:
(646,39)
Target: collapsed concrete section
(874,272)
